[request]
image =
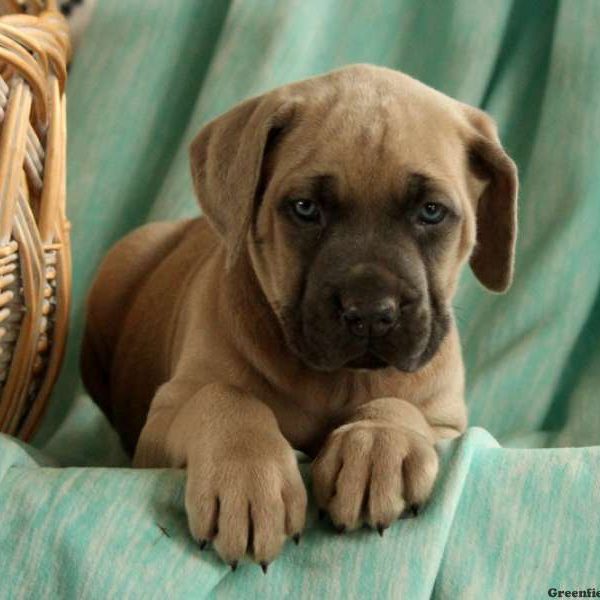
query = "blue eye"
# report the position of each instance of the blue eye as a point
(306, 210)
(432, 213)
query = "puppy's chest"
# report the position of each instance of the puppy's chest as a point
(309, 410)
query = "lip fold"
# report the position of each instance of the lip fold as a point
(368, 360)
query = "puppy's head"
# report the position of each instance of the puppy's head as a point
(358, 196)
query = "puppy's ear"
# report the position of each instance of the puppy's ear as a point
(492, 260)
(227, 158)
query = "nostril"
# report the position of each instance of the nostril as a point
(384, 316)
(355, 321)
(358, 327)
(352, 314)
(385, 319)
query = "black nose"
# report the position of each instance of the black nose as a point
(372, 319)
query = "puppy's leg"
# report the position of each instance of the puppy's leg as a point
(244, 490)
(118, 280)
(380, 463)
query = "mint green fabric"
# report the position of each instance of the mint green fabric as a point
(515, 511)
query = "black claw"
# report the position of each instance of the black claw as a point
(340, 529)
(264, 566)
(322, 514)
(234, 565)
(296, 538)
(202, 544)
(381, 528)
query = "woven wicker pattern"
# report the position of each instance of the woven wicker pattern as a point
(34, 241)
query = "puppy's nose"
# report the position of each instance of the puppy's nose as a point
(372, 319)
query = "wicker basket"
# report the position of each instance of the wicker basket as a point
(35, 261)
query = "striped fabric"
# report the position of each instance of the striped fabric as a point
(516, 510)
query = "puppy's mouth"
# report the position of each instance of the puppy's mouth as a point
(322, 345)
(369, 361)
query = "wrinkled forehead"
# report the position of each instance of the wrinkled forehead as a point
(376, 136)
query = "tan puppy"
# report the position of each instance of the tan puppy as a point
(309, 310)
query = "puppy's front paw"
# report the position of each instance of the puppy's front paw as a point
(245, 500)
(372, 472)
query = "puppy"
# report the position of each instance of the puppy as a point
(309, 309)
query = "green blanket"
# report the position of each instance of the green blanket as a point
(516, 509)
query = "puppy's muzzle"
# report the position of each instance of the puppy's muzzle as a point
(375, 310)
(364, 316)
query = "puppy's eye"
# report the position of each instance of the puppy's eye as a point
(306, 210)
(432, 213)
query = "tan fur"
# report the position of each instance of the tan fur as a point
(185, 354)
